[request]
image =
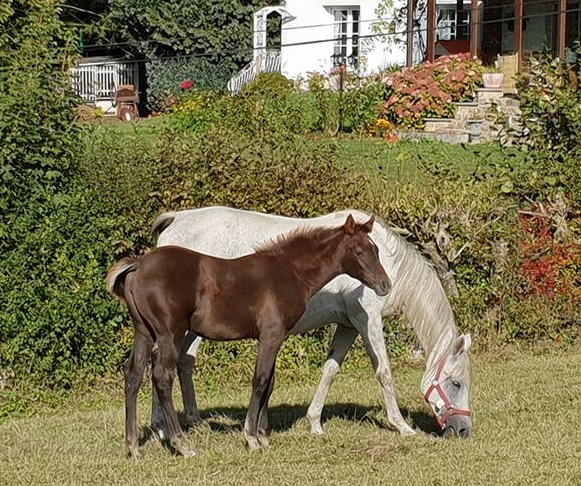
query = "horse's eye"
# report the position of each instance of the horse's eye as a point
(456, 383)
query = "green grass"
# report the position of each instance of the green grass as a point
(407, 160)
(527, 428)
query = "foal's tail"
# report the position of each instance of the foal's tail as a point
(115, 280)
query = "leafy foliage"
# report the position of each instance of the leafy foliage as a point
(165, 77)
(184, 27)
(36, 164)
(271, 104)
(274, 104)
(58, 318)
(346, 102)
(551, 108)
(36, 107)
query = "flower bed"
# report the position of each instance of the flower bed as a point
(430, 90)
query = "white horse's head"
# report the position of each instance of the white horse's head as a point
(448, 392)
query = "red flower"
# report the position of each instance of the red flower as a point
(187, 84)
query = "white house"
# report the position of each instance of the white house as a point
(301, 36)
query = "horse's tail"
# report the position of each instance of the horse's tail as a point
(115, 279)
(162, 222)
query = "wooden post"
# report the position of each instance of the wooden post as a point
(562, 25)
(460, 27)
(410, 34)
(431, 37)
(474, 29)
(518, 33)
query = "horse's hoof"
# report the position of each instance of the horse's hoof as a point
(264, 441)
(253, 443)
(183, 449)
(187, 452)
(316, 429)
(193, 420)
(133, 452)
(406, 431)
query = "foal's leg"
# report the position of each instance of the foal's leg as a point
(133, 376)
(372, 334)
(163, 377)
(343, 339)
(268, 348)
(263, 428)
(185, 367)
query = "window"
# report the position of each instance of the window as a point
(346, 50)
(452, 25)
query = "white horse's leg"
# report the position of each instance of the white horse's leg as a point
(372, 333)
(343, 339)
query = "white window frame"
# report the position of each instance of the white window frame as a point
(447, 26)
(347, 31)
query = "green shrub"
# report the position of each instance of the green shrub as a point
(58, 323)
(196, 112)
(361, 104)
(551, 108)
(164, 79)
(283, 174)
(270, 104)
(36, 106)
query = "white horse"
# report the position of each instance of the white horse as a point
(417, 293)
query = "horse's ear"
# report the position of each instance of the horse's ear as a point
(349, 225)
(462, 344)
(367, 227)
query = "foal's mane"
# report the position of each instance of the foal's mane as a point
(296, 240)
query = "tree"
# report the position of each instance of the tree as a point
(176, 27)
(392, 23)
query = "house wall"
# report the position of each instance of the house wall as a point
(308, 39)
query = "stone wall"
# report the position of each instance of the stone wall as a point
(493, 115)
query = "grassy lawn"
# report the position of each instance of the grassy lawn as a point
(527, 428)
(404, 161)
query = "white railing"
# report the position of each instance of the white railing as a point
(268, 62)
(99, 81)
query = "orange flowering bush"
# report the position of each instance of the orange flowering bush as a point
(384, 129)
(429, 90)
(551, 268)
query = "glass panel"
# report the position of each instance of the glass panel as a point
(346, 48)
(573, 25)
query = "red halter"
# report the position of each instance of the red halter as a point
(446, 410)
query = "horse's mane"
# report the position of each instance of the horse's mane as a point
(417, 291)
(295, 240)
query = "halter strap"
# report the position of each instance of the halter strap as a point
(446, 409)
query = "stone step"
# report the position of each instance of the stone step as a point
(438, 124)
(486, 96)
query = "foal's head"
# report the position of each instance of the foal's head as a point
(361, 256)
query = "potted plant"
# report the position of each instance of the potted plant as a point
(492, 77)
(475, 125)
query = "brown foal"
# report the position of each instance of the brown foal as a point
(172, 290)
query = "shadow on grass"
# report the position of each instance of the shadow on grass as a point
(283, 417)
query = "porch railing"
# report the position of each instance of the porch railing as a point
(268, 62)
(99, 81)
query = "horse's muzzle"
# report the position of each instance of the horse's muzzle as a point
(458, 426)
(383, 287)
